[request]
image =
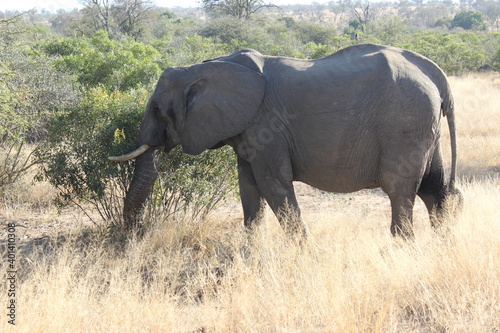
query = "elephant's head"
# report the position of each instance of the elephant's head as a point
(198, 107)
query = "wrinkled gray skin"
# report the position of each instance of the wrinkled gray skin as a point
(365, 117)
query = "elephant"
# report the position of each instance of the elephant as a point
(367, 116)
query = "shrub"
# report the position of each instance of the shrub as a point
(106, 123)
(100, 60)
(308, 32)
(193, 184)
(188, 50)
(456, 54)
(74, 160)
(496, 61)
(469, 20)
(314, 51)
(31, 91)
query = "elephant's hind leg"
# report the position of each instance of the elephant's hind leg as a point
(433, 190)
(402, 213)
(400, 181)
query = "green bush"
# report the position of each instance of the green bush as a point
(308, 32)
(496, 61)
(469, 20)
(99, 60)
(13, 127)
(188, 50)
(456, 54)
(194, 184)
(444, 22)
(31, 92)
(106, 123)
(74, 160)
(315, 51)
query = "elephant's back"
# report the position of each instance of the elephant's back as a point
(351, 108)
(356, 51)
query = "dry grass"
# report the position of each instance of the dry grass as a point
(477, 100)
(352, 276)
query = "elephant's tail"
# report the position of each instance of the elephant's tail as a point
(448, 109)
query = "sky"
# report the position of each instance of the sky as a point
(54, 5)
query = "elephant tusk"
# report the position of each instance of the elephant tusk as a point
(129, 156)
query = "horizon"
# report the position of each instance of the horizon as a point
(55, 5)
(68, 5)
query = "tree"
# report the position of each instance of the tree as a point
(364, 13)
(118, 16)
(340, 7)
(100, 12)
(241, 9)
(491, 9)
(469, 20)
(389, 30)
(308, 32)
(31, 92)
(129, 14)
(67, 22)
(107, 62)
(456, 54)
(445, 22)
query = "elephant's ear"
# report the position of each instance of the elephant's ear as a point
(221, 102)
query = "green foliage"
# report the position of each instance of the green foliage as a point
(228, 30)
(102, 61)
(445, 22)
(469, 20)
(357, 24)
(74, 160)
(12, 97)
(496, 60)
(390, 30)
(241, 9)
(13, 124)
(455, 53)
(494, 42)
(169, 15)
(315, 51)
(106, 123)
(188, 50)
(308, 32)
(289, 21)
(31, 91)
(194, 184)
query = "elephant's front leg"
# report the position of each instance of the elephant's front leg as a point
(276, 185)
(251, 198)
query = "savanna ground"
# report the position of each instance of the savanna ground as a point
(203, 276)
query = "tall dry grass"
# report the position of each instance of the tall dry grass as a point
(477, 102)
(352, 276)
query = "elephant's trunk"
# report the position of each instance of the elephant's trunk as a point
(144, 177)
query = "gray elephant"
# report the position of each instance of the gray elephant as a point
(365, 117)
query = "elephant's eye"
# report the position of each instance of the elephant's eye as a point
(160, 112)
